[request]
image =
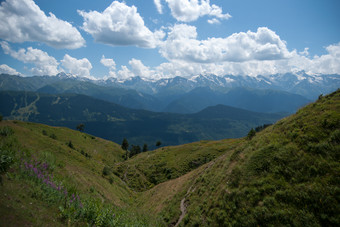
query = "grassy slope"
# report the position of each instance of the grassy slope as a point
(287, 174)
(71, 163)
(144, 171)
(71, 166)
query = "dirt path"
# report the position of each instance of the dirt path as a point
(183, 206)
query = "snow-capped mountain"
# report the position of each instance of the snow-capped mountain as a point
(310, 86)
(274, 93)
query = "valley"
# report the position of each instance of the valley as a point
(169, 113)
(285, 174)
(114, 122)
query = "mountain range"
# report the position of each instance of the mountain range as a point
(301, 83)
(175, 111)
(114, 122)
(274, 93)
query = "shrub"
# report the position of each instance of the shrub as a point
(70, 144)
(251, 134)
(106, 171)
(235, 176)
(6, 131)
(53, 136)
(6, 160)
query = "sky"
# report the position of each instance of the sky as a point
(157, 39)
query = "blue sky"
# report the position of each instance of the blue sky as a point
(167, 38)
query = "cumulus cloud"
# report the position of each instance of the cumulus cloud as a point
(78, 67)
(325, 64)
(8, 70)
(111, 64)
(23, 20)
(45, 64)
(108, 62)
(263, 44)
(191, 10)
(159, 6)
(120, 25)
(213, 21)
(139, 69)
(124, 73)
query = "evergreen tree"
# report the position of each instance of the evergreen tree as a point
(125, 144)
(145, 147)
(80, 127)
(135, 150)
(251, 134)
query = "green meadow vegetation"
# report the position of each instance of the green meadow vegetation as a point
(286, 174)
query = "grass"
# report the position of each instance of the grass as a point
(286, 174)
(79, 175)
(153, 167)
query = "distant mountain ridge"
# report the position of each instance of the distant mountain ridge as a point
(310, 86)
(268, 101)
(275, 93)
(115, 122)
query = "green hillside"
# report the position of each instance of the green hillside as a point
(287, 174)
(77, 162)
(144, 171)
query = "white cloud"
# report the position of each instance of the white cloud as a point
(111, 64)
(191, 10)
(182, 44)
(124, 73)
(325, 64)
(8, 70)
(213, 21)
(159, 6)
(23, 20)
(108, 62)
(45, 64)
(139, 69)
(120, 25)
(78, 67)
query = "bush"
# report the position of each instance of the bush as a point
(70, 144)
(251, 134)
(6, 131)
(6, 160)
(106, 171)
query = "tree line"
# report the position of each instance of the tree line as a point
(135, 149)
